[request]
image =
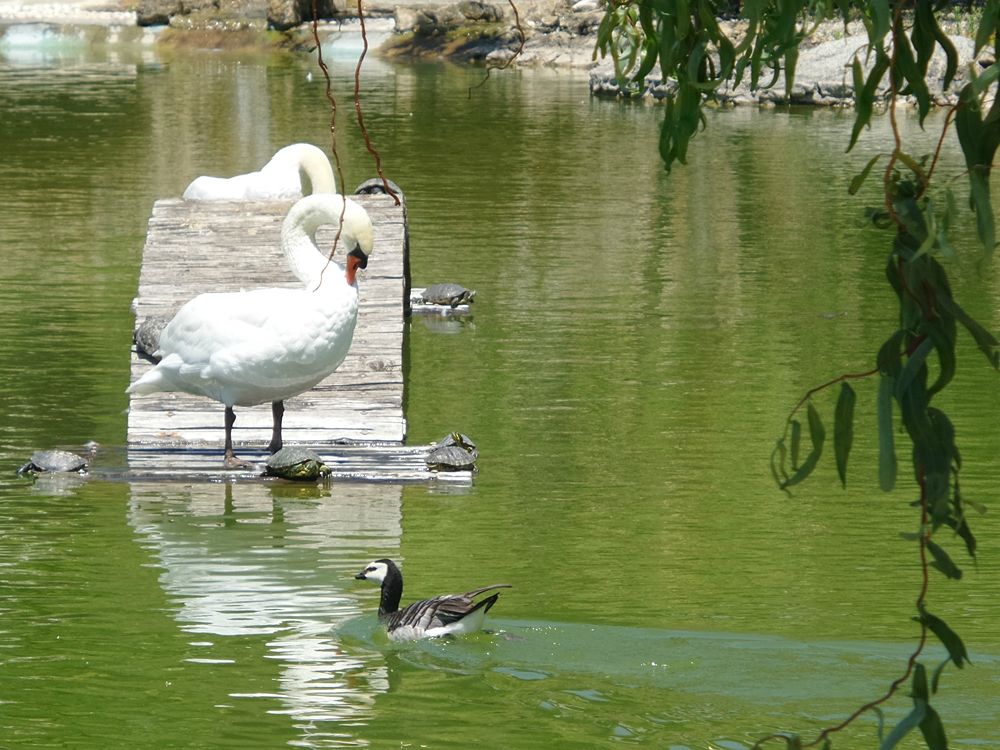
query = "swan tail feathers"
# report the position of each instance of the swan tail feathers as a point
(158, 379)
(152, 382)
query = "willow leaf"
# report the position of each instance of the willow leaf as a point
(936, 676)
(922, 34)
(843, 430)
(860, 178)
(943, 338)
(881, 19)
(796, 442)
(943, 561)
(919, 689)
(908, 68)
(947, 636)
(890, 356)
(987, 343)
(910, 722)
(817, 434)
(864, 98)
(945, 43)
(961, 528)
(987, 25)
(886, 437)
(933, 730)
(914, 364)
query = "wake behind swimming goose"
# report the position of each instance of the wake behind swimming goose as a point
(449, 614)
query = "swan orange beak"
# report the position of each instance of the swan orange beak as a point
(355, 259)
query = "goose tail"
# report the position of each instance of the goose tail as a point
(483, 589)
(485, 604)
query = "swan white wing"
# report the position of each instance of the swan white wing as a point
(280, 182)
(207, 188)
(249, 347)
(280, 179)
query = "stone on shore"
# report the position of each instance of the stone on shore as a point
(822, 77)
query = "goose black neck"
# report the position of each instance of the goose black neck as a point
(392, 590)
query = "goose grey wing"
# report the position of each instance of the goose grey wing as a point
(423, 615)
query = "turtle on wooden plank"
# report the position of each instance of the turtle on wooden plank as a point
(294, 462)
(147, 337)
(375, 186)
(53, 461)
(447, 294)
(454, 452)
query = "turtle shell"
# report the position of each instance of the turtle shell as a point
(147, 337)
(447, 294)
(53, 460)
(296, 463)
(453, 452)
(375, 186)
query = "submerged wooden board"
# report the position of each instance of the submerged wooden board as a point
(373, 462)
(195, 247)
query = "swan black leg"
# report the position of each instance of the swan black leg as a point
(277, 412)
(230, 458)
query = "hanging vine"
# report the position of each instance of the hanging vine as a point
(332, 101)
(919, 359)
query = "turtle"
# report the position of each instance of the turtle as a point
(53, 461)
(147, 337)
(453, 452)
(293, 462)
(447, 294)
(375, 186)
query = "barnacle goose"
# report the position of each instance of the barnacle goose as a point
(428, 618)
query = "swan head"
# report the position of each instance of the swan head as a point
(357, 235)
(376, 571)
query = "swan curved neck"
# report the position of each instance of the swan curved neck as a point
(315, 173)
(298, 241)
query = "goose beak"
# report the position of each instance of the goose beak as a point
(361, 257)
(360, 576)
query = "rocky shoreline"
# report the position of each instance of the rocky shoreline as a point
(556, 34)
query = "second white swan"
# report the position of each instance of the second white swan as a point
(294, 171)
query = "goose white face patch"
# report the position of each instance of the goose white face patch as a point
(375, 571)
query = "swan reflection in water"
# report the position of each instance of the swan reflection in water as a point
(250, 560)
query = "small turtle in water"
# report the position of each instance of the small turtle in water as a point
(51, 461)
(454, 452)
(296, 463)
(447, 294)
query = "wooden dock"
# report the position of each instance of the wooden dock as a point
(196, 247)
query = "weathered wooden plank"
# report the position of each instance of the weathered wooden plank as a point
(193, 248)
(358, 462)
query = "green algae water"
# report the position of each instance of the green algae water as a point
(636, 343)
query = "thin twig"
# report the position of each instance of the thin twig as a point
(911, 662)
(517, 52)
(816, 389)
(897, 138)
(944, 131)
(333, 134)
(357, 107)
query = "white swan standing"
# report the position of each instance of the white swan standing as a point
(246, 348)
(449, 614)
(296, 170)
